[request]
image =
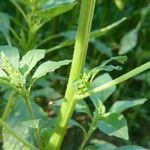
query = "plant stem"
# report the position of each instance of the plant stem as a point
(103, 31)
(81, 44)
(49, 38)
(8, 41)
(20, 9)
(116, 81)
(29, 106)
(91, 130)
(16, 135)
(94, 34)
(143, 16)
(31, 114)
(10, 105)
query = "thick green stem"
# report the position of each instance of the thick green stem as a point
(81, 44)
(16, 135)
(116, 81)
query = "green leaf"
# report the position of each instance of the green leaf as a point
(130, 147)
(4, 24)
(103, 145)
(105, 66)
(17, 116)
(69, 34)
(48, 13)
(100, 145)
(119, 59)
(103, 48)
(104, 95)
(120, 4)
(114, 125)
(30, 59)
(32, 123)
(49, 66)
(129, 41)
(12, 54)
(111, 68)
(121, 106)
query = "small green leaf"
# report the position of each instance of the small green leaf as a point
(120, 4)
(31, 123)
(30, 59)
(105, 66)
(100, 145)
(4, 24)
(49, 66)
(48, 13)
(121, 106)
(104, 95)
(129, 41)
(119, 59)
(130, 147)
(12, 54)
(114, 125)
(103, 48)
(111, 68)
(69, 34)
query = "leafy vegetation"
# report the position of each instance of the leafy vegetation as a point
(101, 101)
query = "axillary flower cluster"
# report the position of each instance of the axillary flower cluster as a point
(13, 75)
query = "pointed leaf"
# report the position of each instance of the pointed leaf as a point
(103, 48)
(30, 59)
(121, 106)
(100, 145)
(130, 147)
(119, 59)
(4, 23)
(48, 13)
(129, 41)
(49, 66)
(12, 54)
(114, 125)
(120, 4)
(111, 68)
(104, 95)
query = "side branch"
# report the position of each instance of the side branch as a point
(116, 81)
